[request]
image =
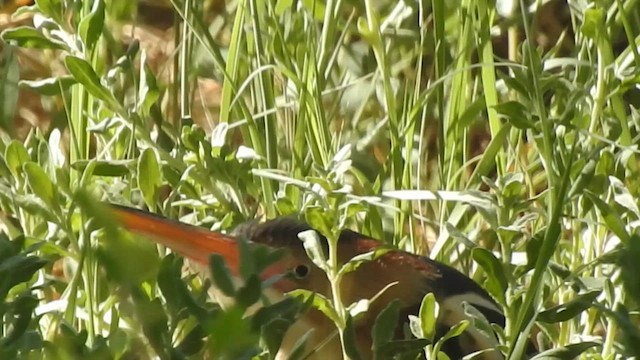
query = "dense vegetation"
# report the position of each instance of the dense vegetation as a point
(501, 142)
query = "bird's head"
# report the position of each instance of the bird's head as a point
(295, 268)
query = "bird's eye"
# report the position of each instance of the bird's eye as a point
(301, 271)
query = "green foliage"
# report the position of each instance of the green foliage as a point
(20, 334)
(398, 119)
(9, 76)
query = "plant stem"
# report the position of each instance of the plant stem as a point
(335, 279)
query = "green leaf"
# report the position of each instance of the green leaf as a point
(170, 269)
(533, 250)
(630, 334)
(247, 258)
(153, 319)
(623, 197)
(478, 320)
(110, 168)
(250, 292)
(18, 269)
(317, 301)
(40, 184)
(593, 23)
(385, 326)
(90, 27)
(15, 156)
(51, 86)
(519, 82)
(274, 320)
(175, 290)
(192, 343)
(496, 279)
(567, 352)
(630, 266)
(569, 310)
(21, 308)
(9, 77)
(318, 220)
(429, 311)
(84, 74)
(273, 333)
(350, 342)
(70, 342)
(127, 260)
(584, 178)
(611, 217)
(512, 185)
(282, 5)
(416, 327)
(148, 92)
(28, 37)
(316, 7)
(232, 334)
(264, 256)
(470, 114)
(46, 161)
(360, 259)
(488, 160)
(516, 113)
(149, 176)
(221, 275)
(51, 8)
(455, 331)
(35, 206)
(406, 349)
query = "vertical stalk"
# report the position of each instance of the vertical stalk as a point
(185, 52)
(335, 279)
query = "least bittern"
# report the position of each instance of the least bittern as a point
(414, 276)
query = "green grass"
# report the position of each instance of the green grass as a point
(407, 122)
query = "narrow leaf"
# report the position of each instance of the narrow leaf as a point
(385, 325)
(318, 302)
(221, 275)
(623, 197)
(49, 86)
(568, 352)
(15, 156)
(84, 74)
(40, 184)
(90, 27)
(611, 217)
(570, 309)
(9, 77)
(360, 259)
(350, 342)
(28, 37)
(250, 292)
(497, 281)
(149, 176)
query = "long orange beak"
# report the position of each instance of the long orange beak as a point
(190, 241)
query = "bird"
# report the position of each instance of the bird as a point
(413, 276)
